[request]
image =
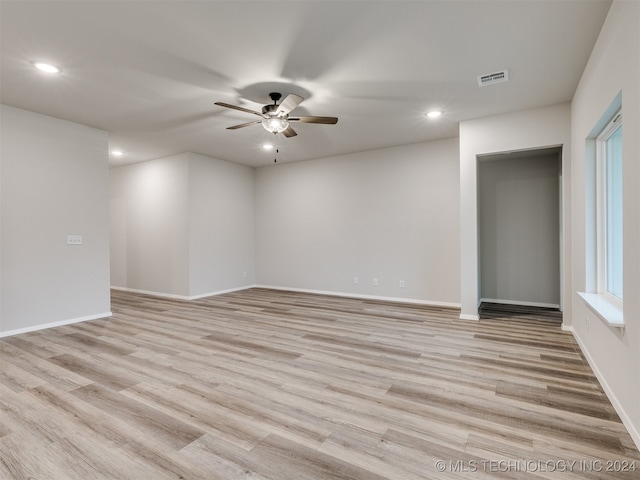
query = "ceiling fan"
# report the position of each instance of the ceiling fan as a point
(275, 118)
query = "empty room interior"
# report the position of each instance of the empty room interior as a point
(271, 240)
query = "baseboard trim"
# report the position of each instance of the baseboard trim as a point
(633, 432)
(517, 302)
(292, 289)
(180, 297)
(466, 316)
(151, 292)
(61, 323)
(221, 292)
(413, 301)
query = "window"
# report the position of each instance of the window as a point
(609, 211)
(604, 218)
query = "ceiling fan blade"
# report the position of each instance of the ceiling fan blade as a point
(242, 109)
(234, 127)
(325, 120)
(289, 103)
(289, 132)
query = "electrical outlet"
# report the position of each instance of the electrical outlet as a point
(586, 322)
(74, 239)
(244, 274)
(356, 280)
(375, 282)
(401, 283)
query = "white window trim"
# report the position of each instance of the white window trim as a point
(601, 210)
(604, 309)
(606, 306)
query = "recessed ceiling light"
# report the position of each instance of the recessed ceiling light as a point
(434, 114)
(46, 67)
(267, 146)
(117, 153)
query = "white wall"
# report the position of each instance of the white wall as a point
(520, 229)
(54, 184)
(221, 226)
(389, 214)
(614, 67)
(524, 130)
(150, 226)
(182, 226)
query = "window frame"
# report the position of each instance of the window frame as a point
(602, 227)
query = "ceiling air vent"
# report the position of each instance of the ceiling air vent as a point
(493, 78)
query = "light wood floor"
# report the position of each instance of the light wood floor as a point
(266, 385)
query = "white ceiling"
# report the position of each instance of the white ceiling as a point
(149, 72)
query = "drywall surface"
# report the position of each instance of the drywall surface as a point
(182, 226)
(520, 229)
(389, 215)
(221, 225)
(524, 130)
(54, 184)
(150, 226)
(614, 68)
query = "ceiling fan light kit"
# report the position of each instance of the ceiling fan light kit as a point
(275, 117)
(275, 125)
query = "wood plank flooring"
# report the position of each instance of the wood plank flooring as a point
(271, 385)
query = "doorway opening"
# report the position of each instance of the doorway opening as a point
(520, 230)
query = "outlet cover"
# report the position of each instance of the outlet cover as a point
(74, 239)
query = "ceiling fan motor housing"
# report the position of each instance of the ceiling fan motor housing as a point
(269, 109)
